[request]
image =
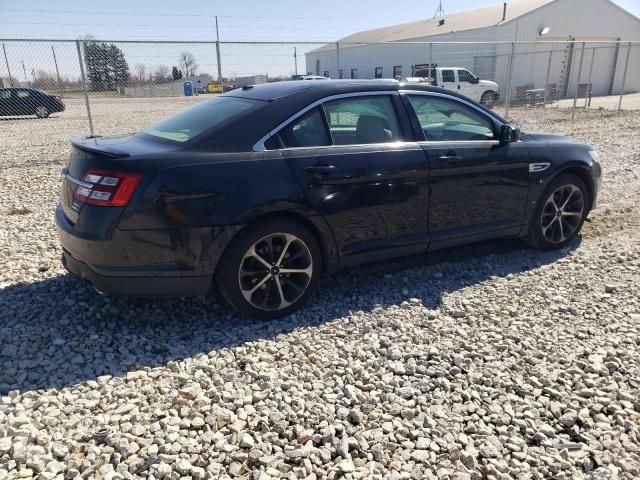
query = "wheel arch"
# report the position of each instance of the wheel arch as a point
(582, 172)
(315, 224)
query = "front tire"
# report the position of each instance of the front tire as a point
(270, 269)
(559, 214)
(489, 99)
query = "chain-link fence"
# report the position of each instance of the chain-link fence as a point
(120, 86)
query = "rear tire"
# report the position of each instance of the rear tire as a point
(42, 112)
(270, 269)
(559, 214)
(489, 99)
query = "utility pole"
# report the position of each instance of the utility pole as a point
(439, 11)
(218, 56)
(295, 58)
(55, 62)
(7, 62)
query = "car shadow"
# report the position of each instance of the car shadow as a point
(59, 331)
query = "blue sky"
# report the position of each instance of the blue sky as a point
(239, 20)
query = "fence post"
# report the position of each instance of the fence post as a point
(575, 95)
(430, 57)
(587, 98)
(218, 57)
(509, 75)
(8, 69)
(55, 62)
(546, 81)
(338, 59)
(624, 76)
(84, 87)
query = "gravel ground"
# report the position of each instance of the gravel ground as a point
(487, 362)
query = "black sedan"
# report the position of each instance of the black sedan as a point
(29, 101)
(261, 190)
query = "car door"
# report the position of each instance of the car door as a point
(449, 79)
(478, 186)
(23, 102)
(352, 157)
(468, 84)
(5, 101)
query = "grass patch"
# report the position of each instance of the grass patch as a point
(20, 211)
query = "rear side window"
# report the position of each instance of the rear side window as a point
(307, 131)
(448, 76)
(23, 94)
(5, 94)
(185, 125)
(361, 120)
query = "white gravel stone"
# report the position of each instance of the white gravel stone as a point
(490, 361)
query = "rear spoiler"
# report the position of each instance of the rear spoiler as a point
(88, 144)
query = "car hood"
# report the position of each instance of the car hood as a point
(545, 137)
(488, 83)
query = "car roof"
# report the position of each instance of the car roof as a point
(275, 90)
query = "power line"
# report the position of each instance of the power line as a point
(248, 26)
(80, 12)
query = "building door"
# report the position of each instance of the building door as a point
(484, 67)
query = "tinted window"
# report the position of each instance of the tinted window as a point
(361, 120)
(465, 76)
(306, 131)
(188, 123)
(449, 120)
(23, 94)
(448, 76)
(5, 94)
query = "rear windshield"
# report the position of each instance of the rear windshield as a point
(186, 124)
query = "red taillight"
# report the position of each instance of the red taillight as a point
(57, 99)
(106, 188)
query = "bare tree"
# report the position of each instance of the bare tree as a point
(140, 70)
(188, 61)
(162, 74)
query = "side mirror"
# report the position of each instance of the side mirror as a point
(475, 80)
(509, 134)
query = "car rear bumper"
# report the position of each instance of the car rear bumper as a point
(131, 286)
(142, 262)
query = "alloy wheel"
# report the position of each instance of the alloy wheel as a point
(562, 213)
(275, 271)
(42, 112)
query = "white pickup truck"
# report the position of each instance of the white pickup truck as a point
(462, 81)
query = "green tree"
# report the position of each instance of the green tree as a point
(176, 73)
(107, 67)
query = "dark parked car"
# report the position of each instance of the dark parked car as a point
(29, 101)
(265, 188)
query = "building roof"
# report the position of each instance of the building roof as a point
(456, 22)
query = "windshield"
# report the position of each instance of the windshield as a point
(186, 124)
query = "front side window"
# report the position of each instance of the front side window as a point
(185, 125)
(448, 76)
(361, 120)
(443, 119)
(307, 131)
(465, 76)
(23, 94)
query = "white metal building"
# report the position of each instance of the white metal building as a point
(382, 53)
